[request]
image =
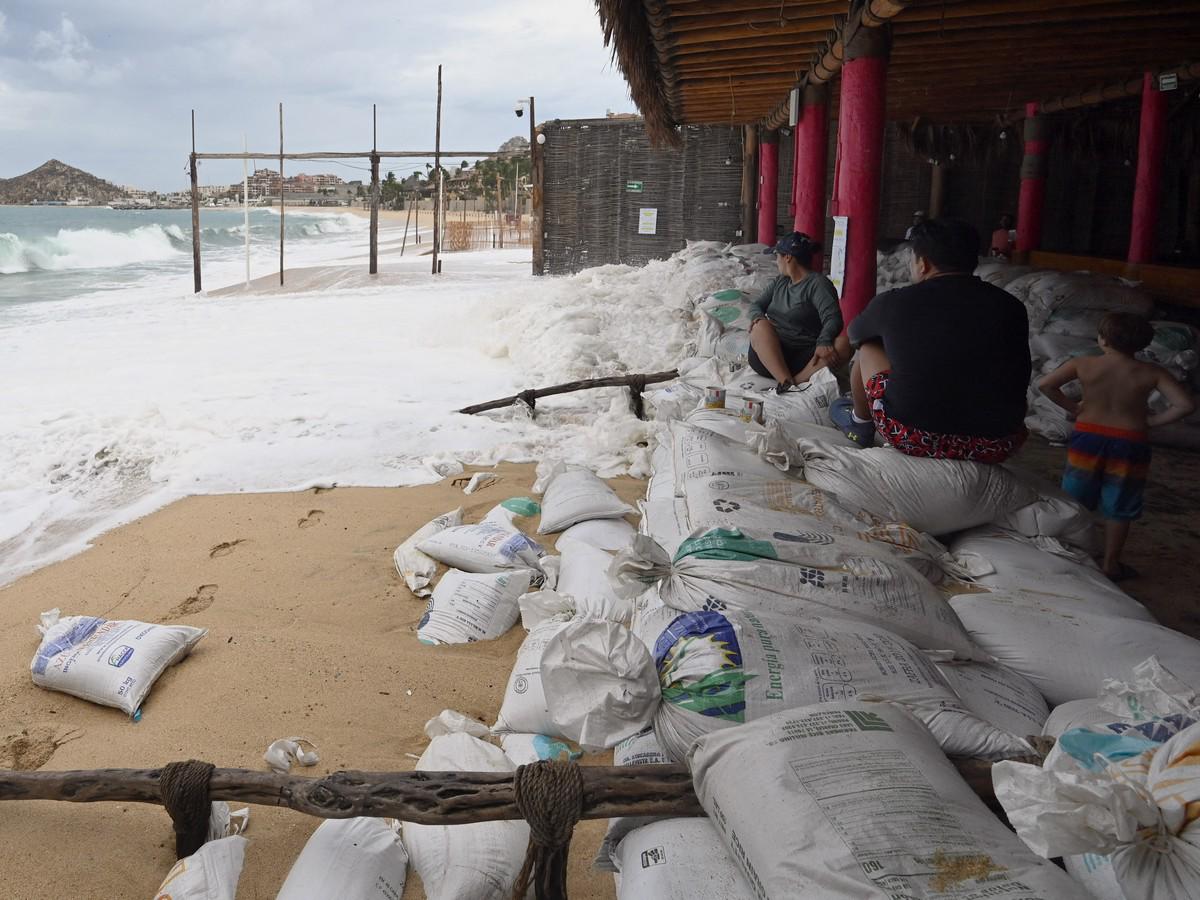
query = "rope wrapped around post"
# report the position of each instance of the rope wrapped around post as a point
(637, 385)
(184, 789)
(549, 795)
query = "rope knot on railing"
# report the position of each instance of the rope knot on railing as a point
(184, 790)
(549, 795)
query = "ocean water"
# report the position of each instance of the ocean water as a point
(122, 390)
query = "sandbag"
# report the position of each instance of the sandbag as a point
(1066, 650)
(351, 859)
(636, 750)
(479, 861)
(666, 521)
(524, 707)
(856, 801)
(600, 683)
(729, 307)
(109, 662)
(813, 572)
(1001, 560)
(678, 859)
(1055, 515)
(467, 607)
(583, 576)
(604, 534)
(576, 495)
(806, 404)
(698, 453)
(938, 496)
(524, 749)
(1080, 713)
(417, 568)
(1142, 811)
(998, 695)
(718, 670)
(211, 873)
(486, 547)
(506, 512)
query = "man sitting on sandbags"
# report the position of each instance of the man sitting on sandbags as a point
(942, 364)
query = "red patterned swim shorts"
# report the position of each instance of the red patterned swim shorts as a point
(917, 442)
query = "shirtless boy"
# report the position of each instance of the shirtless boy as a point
(1109, 453)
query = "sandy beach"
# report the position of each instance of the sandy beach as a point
(311, 633)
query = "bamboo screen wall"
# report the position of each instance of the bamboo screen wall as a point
(601, 174)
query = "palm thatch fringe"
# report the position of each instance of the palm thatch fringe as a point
(627, 30)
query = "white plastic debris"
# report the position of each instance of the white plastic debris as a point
(479, 481)
(109, 662)
(286, 752)
(451, 721)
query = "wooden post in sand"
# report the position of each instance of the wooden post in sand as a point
(499, 212)
(437, 166)
(195, 211)
(374, 268)
(407, 219)
(281, 193)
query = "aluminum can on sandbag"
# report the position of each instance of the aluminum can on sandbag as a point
(714, 397)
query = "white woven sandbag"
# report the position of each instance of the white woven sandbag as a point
(1142, 811)
(600, 683)
(486, 547)
(468, 607)
(938, 496)
(718, 670)
(351, 859)
(698, 453)
(677, 859)
(417, 568)
(813, 572)
(583, 576)
(1066, 650)
(479, 861)
(524, 707)
(1081, 713)
(211, 873)
(107, 661)
(1001, 560)
(637, 750)
(856, 801)
(577, 495)
(998, 695)
(604, 534)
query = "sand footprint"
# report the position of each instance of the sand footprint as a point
(224, 548)
(31, 748)
(314, 516)
(198, 602)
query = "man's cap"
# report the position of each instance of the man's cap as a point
(919, 212)
(789, 244)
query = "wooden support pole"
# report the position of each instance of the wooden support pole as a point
(281, 200)
(749, 181)
(407, 217)
(537, 179)
(1032, 197)
(937, 190)
(1152, 145)
(499, 211)
(812, 153)
(437, 166)
(195, 211)
(374, 264)
(768, 187)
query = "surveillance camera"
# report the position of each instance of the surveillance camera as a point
(519, 110)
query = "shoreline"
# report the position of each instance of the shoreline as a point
(311, 633)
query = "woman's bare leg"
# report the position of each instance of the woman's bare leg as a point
(766, 344)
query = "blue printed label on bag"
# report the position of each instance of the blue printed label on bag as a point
(120, 656)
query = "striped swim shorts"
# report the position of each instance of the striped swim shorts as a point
(1106, 468)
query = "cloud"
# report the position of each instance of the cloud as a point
(66, 54)
(3, 20)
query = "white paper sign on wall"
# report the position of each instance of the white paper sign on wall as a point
(837, 258)
(648, 221)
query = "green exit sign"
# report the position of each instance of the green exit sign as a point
(633, 187)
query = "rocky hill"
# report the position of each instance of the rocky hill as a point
(54, 180)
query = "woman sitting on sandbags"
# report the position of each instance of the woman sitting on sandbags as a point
(794, 322)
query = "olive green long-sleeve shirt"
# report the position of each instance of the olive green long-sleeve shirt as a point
(805, 314)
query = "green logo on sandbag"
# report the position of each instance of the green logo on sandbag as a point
(522, 506)
(720, 695)
(727, 295)
(867, 721)
(726, 543)
(725, 314)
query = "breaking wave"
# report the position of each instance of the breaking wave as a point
(90, 248)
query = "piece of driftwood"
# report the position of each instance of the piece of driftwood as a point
(635, 383)
(427, 798)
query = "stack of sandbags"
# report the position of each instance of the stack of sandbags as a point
(892, 270)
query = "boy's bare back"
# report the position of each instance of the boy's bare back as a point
(1116, 390)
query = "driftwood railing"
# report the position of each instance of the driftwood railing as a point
(635, 383)
(559, 795)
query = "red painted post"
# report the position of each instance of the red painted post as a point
(1032, 198)
(812, 150)
(860, 161)
(1152, 138)
(768, 187)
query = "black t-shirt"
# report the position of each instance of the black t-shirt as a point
(959, 352)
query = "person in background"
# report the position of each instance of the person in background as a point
(1004, 238)
(794, 322)
(918, 218)
(943, 364)
(1108, 457)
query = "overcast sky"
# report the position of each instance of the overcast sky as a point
(107, 85)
